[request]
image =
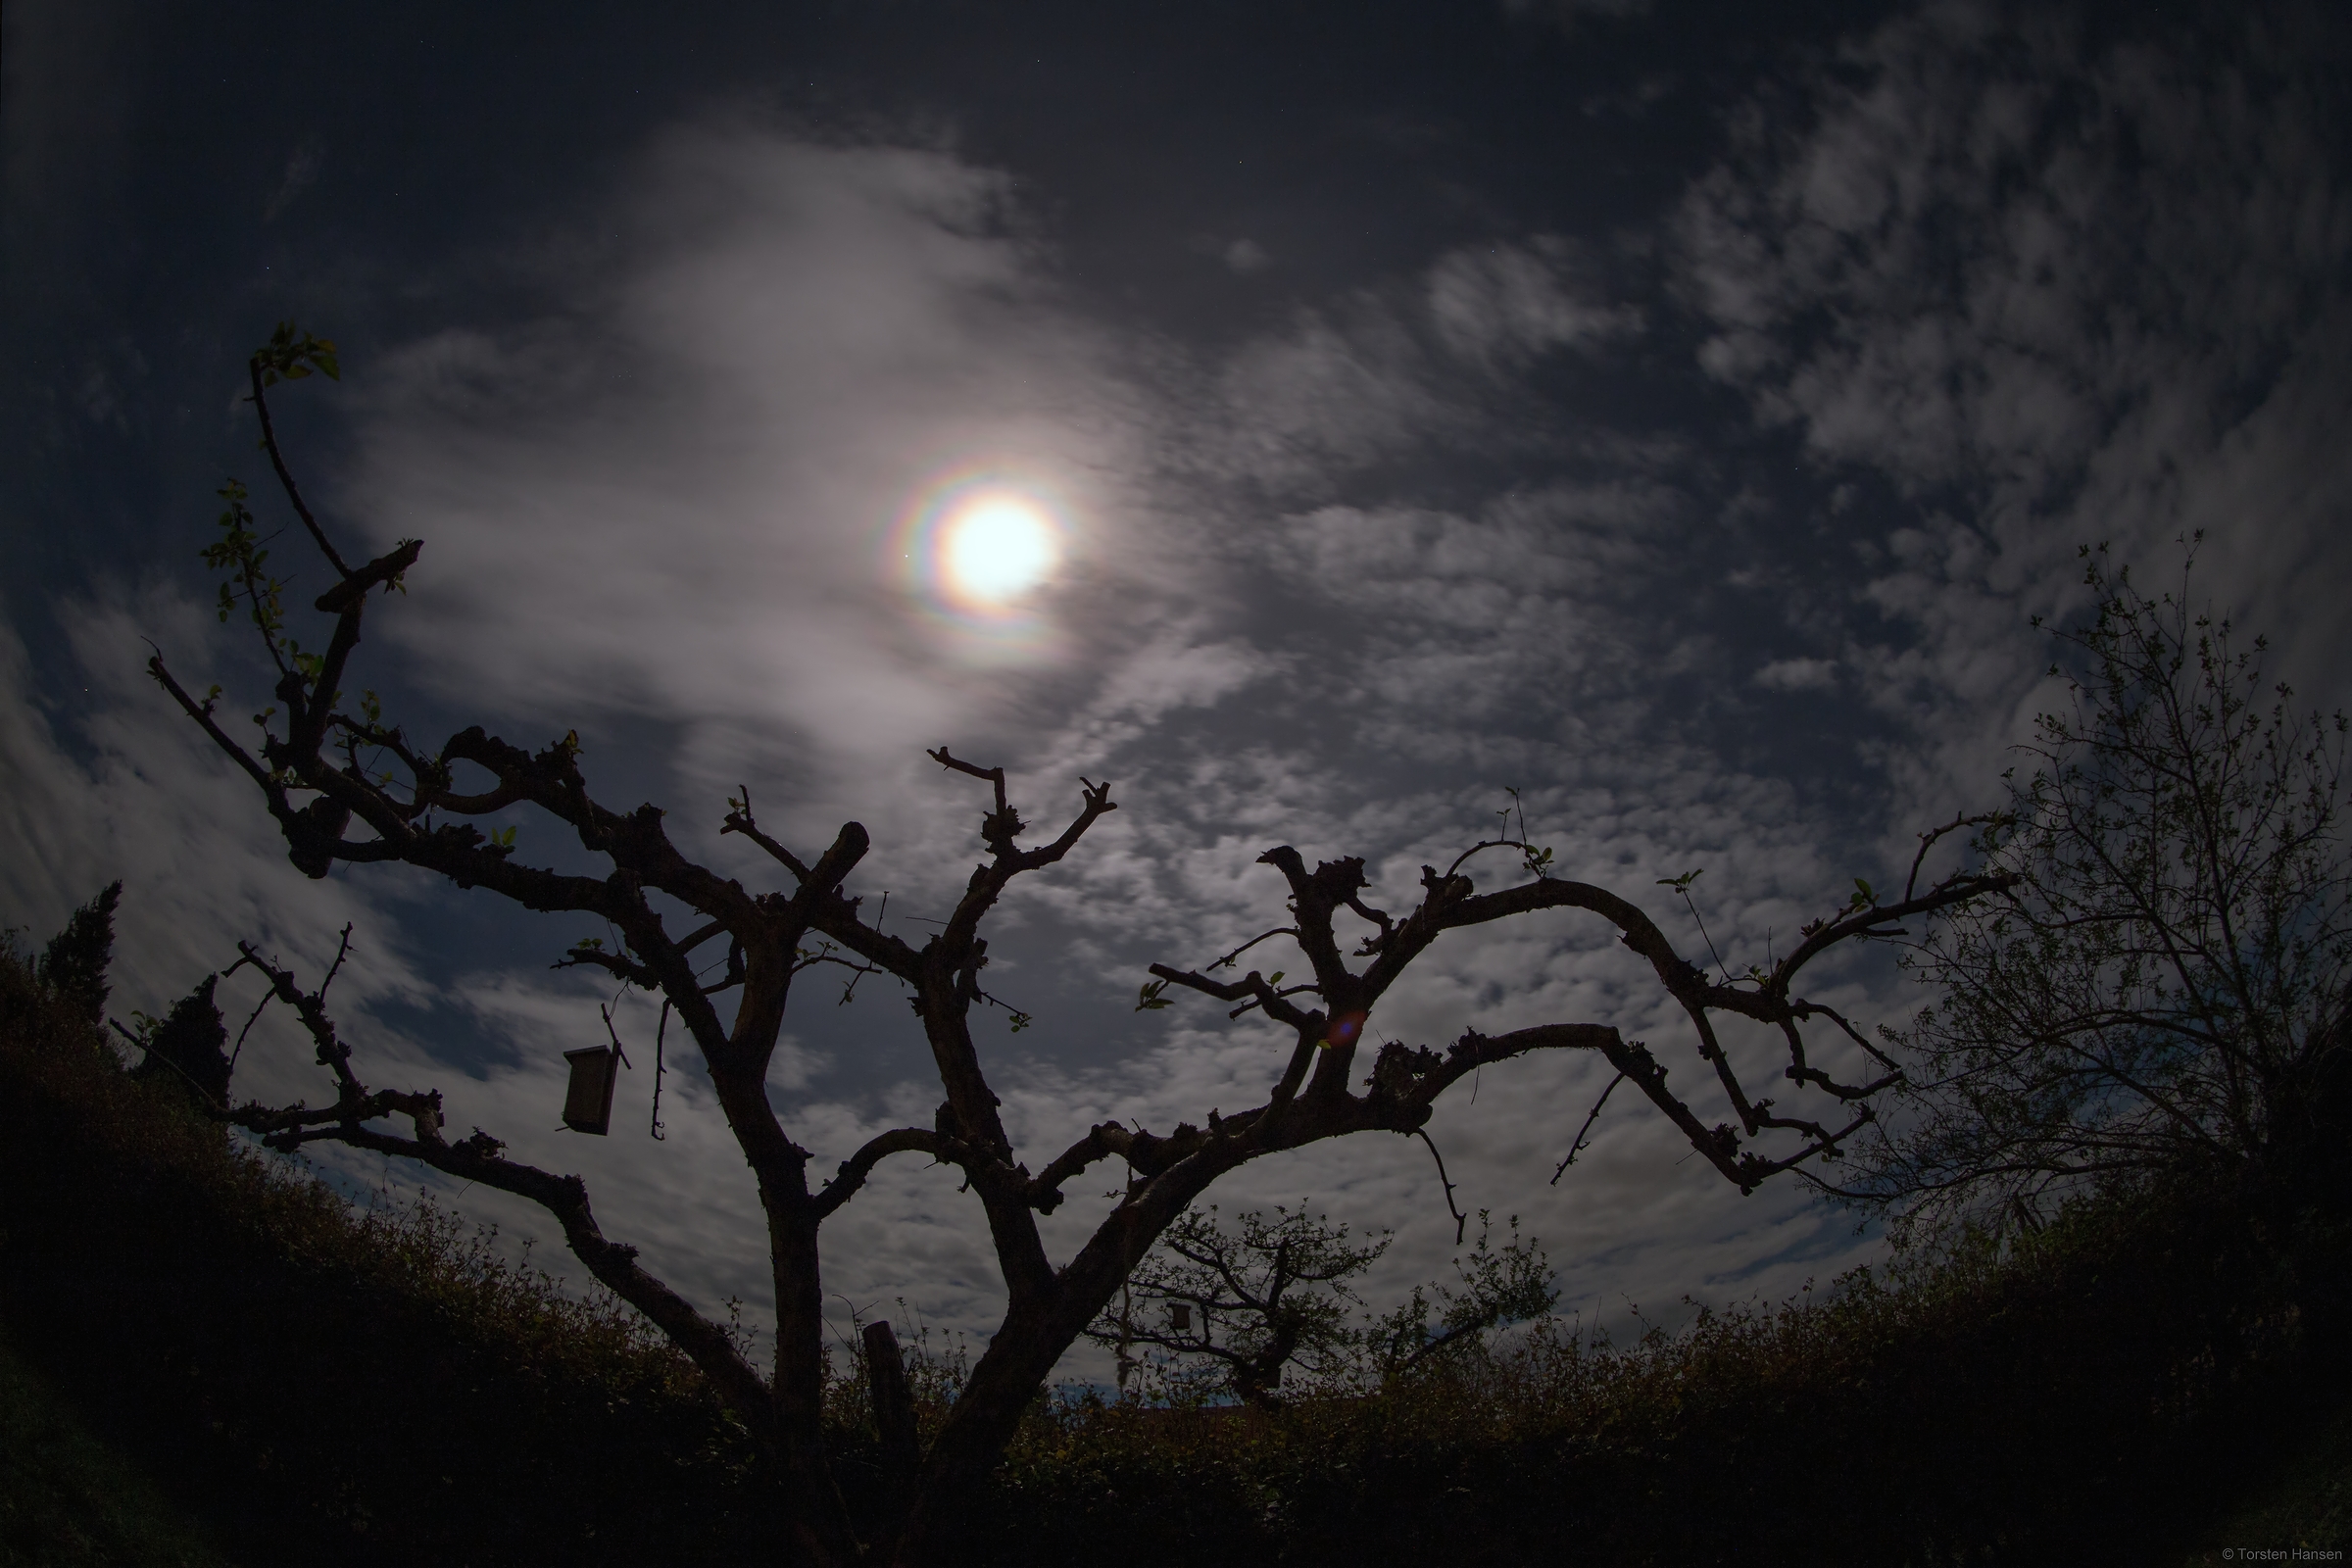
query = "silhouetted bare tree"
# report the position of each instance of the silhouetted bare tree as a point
(346, 786)
(1274, 1293)
(2164, 986)
(1269, 1293)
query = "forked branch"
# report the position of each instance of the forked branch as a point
(479, 1158)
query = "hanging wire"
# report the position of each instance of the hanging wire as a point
(616, 1034)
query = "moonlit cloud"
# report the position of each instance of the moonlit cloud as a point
(684, 498)
(1797, 674)
(1713, 533)
(2038, 285)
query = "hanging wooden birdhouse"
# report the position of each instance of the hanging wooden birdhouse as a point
(588, 1103)
(1180, 1317)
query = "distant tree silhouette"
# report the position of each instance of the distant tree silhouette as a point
(189, 1046)
(345, 786)
(2163, 984)
(73, 964)
(1267, 1294)
(1275, 1293)
(1494, 1288)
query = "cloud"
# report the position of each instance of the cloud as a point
(1796, 674)
(1246, 255)
(1389, 374)
(302, 172)
(683, 498)
(2051, 294)
(131, 790)
(1515, 302)
(1240, 256)
(1334, 584)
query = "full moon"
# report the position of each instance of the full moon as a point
(995, 547)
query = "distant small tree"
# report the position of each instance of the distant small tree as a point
(1276, 1293)
(1270, 1295)
(2160, 985)
(1493, 1288)
(73, 966)
(346, 786)
(187, 1046)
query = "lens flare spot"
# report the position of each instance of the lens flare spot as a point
(1344, 1030)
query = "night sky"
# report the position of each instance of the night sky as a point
(1674, 412)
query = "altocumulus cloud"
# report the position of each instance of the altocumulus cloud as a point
(2055, 294)
(1333, 584)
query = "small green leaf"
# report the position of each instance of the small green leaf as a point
(288, 356)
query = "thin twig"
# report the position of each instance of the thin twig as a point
(341, 953)
(616, 1034)
(267, 997)
(1586, 1128)
(1703, 934)
(285, 476)
(1459, 1219)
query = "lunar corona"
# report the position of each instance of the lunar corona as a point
(976, 550)
(995, 548)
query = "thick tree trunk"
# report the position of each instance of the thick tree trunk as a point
(820, 1516)
(972, 1445)
(1036, 1331)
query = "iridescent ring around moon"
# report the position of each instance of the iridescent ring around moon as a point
(977, 547)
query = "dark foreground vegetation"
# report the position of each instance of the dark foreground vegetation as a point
(309, 1382)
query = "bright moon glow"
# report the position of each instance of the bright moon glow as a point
(975, 549)
(995, 547)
